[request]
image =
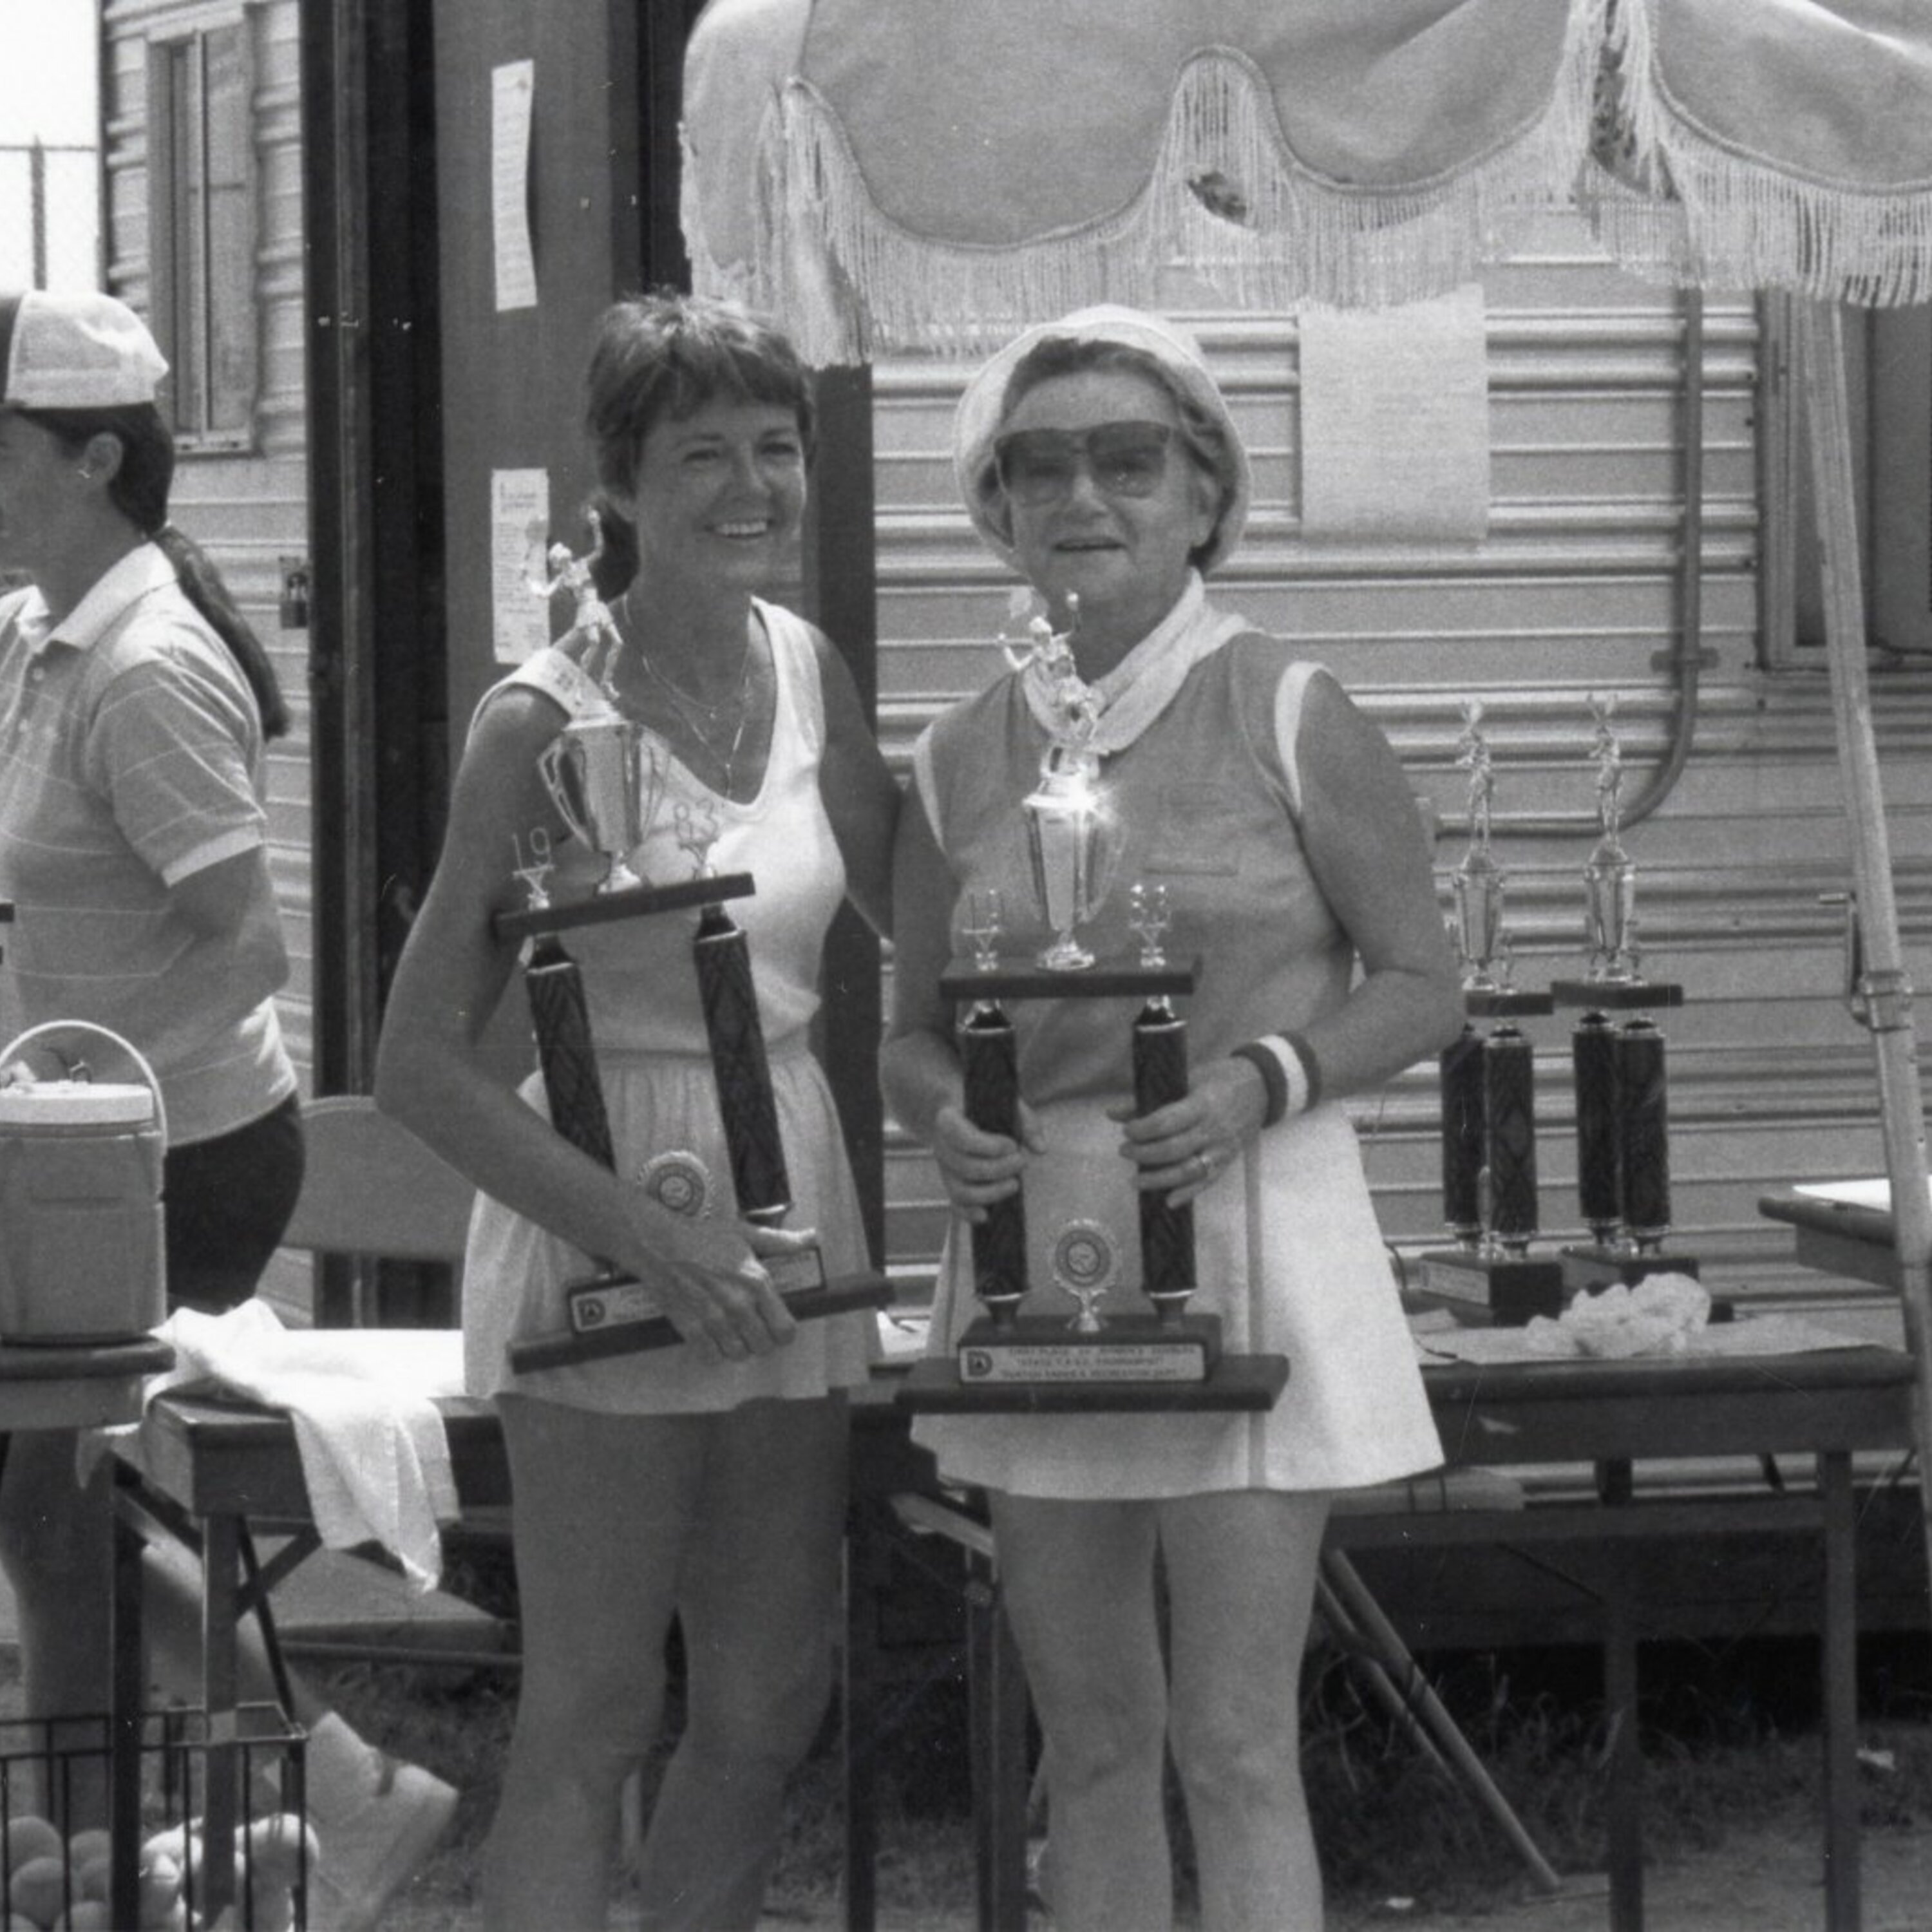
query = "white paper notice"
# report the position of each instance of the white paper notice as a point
(1395, 422)
(519, 535)
(512, 88)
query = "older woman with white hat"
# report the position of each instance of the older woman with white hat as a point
(135, 707)
(1098, 457)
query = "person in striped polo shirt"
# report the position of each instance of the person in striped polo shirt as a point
(136, 707)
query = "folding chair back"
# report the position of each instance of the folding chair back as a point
(371, 1187)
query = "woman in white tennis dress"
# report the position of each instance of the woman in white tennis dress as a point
(1097, 456)
(705, 1481)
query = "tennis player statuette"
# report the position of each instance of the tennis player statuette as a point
(1488, 1088)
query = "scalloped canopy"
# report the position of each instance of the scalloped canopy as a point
(940, 173)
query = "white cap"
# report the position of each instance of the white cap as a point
(982, 408)
(85, 352)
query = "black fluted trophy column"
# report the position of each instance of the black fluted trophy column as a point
(745, 1104)
(1167, 1227)
(989, 1055)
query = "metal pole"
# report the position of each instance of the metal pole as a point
(1887, 992)
(36, 221)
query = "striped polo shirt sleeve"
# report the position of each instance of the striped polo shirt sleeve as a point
(168, 749)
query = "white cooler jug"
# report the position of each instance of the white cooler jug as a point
(81, 1251)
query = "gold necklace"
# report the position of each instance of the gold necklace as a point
(688, 708)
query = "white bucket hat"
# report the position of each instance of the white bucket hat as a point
(982, 406)
(85, 352)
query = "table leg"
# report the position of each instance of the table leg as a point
(863, 1563)
(996, 1694)
(1620, 1713)
(220, 1558)
(127, 1695)
(1839, 1659)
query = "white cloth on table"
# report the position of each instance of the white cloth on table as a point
(374, 1452)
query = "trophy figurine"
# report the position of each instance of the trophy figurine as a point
(1623, 1153)
(1609, 879)
(1072, 839)
(606, 776)
(1488, 1087)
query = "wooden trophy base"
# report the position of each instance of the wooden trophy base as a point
(1594, 1266)
(1509, 1288)
(1134, 1365)
(621, 1316)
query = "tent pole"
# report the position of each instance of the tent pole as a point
(1887, 992)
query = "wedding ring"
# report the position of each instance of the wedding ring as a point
(1206, 1166)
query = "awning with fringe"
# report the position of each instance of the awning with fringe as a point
(938, 174)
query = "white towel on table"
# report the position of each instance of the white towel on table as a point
(374, 1452)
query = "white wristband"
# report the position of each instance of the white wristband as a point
(1303, 1089)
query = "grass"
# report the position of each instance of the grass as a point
(1729, 1746)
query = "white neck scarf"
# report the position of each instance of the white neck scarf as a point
(1131, 696)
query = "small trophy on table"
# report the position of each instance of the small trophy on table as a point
(1092, 1360)
(1623, 1142)
(606, 775)
(1489, 1095)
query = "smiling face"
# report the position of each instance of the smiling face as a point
(1126, 556)
(718, 497)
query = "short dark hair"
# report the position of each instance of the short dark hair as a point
(1201, 435)
(139, 489)
(661, 357)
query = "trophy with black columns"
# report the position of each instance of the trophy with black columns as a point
(1159, 1357)
(1623, 1134)
(606, 775)
(1489, 1091)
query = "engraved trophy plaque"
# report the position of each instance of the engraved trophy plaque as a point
(1623, 1143)
(1104, 1356)
(1488, 1088)
(606, 776)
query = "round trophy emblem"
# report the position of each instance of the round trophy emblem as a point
(679, 1181)
(1084, 1261)
(1084, 1257)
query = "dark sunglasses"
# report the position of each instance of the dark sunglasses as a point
(1038, 466)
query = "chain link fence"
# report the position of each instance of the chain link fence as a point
(50, 217)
